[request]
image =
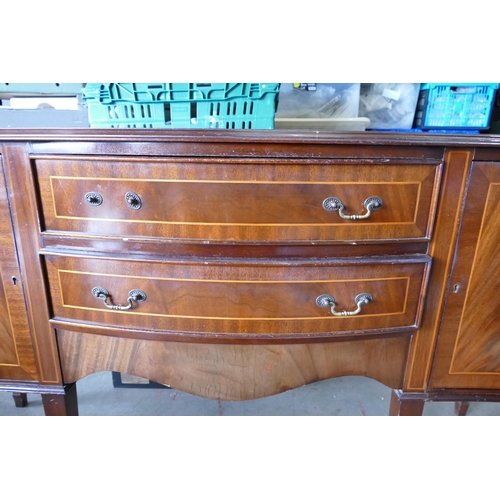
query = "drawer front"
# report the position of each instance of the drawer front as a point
(237, 300)
(237, 201)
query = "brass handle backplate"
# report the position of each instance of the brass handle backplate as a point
(332, 204)
(361, 300)
(133, 296)
(93, 199)
(133, 200)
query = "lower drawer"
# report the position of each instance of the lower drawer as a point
(238, 299)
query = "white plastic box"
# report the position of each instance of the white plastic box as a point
(389, 105)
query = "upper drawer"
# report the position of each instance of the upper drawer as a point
(238, 299)
(231, 200)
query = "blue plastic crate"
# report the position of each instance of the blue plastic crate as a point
(455, 106)
(182, 105)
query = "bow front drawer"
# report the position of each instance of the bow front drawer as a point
(239, 201)
(239, 299)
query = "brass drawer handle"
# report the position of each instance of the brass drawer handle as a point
(333, 204)
(133, 296)
(328, 301)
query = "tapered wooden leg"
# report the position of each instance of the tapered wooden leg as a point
(57, 405)
(405, 407)
(461, 408)
(20, 399)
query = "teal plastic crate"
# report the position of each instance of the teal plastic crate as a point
(182, 105)
(455, 106)
(41, 88)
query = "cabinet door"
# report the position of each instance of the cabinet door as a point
(16, 351)
(468, 350)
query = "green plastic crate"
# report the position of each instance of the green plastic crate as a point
(182, 105)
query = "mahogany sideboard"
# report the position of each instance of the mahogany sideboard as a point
(239, 264)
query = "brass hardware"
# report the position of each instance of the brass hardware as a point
(325, 300)
(361, 300)
(134, 295)
(93, 199)
(133, 200)
(333, 204)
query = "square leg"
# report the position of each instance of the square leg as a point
(66, 404)
(401, 407)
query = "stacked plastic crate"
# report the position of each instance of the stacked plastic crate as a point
(182, 105)
(455, 106)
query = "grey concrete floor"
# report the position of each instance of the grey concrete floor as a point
(346, 396)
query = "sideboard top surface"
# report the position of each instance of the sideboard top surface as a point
(250, 136)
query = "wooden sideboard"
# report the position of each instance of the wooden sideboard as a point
(239, 264)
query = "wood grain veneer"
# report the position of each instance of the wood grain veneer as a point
(272, 201)
(16, 351)
(468, 351)
(23, 208)
(234, 246)
(240, 298)
(232, 372)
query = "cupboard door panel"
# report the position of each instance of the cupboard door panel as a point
(468, 352)
(16, 351)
